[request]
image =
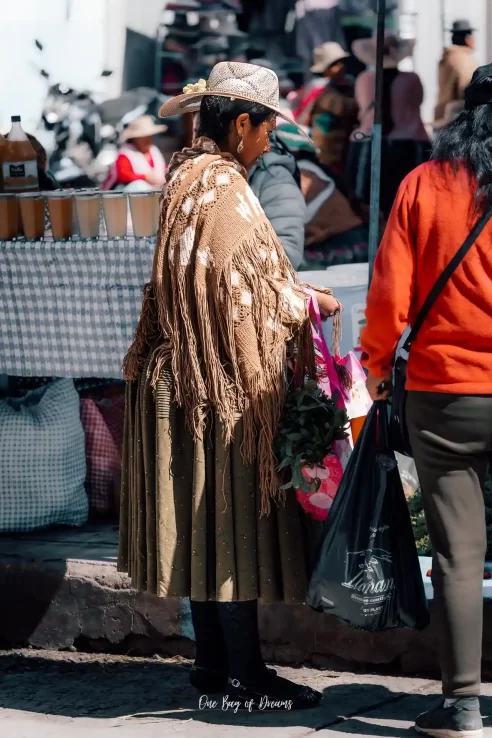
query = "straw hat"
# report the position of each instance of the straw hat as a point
(284, 81)
(396, 48)
(326, 55)
(141, 127)
(236, 80)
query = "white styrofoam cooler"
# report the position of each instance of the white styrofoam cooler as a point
(349, 283)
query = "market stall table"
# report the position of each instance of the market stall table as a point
(70, 308)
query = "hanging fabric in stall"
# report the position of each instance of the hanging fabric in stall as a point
(318, 21)
(275, 14)
(358, 7)
(267, 28)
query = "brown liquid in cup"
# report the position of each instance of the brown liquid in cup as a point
(115, 215)
(3, 144)
(88, 209)
(32, 216)
(9, 218)
(143, 214)
(156, 211)
(60, 210)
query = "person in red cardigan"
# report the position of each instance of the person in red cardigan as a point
(140, 165)
(449, 381)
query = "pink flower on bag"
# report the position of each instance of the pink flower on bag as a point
(318, 504)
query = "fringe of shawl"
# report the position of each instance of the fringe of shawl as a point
(267, 388)
(194, 320)
(146, 333)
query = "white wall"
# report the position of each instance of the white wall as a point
(143, 15)
(74, 52)
(425, 16)
(115, 29)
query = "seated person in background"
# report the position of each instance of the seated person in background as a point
(47, 180)
(334, 111)
(336, 226)
(140, 165)
(275, 180)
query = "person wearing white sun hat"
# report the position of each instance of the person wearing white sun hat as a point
(403, 93)
(334, 111)
(205, 389)
(140, 165)
(405, 139)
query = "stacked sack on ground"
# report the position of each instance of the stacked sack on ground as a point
(60, 454)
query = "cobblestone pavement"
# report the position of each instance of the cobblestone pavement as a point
(75, 695)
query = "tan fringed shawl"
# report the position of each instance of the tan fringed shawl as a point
(224, 302)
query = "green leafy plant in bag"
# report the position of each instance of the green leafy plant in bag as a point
(310, 425)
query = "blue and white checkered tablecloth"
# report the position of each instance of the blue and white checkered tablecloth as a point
(69, 309)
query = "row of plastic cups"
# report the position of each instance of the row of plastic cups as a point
(25, 213)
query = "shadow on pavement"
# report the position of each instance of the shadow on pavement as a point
(29, 597)
(394, 719)
(78, 685)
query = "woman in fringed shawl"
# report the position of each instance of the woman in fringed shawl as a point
(202, 514)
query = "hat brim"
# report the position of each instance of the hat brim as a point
(127, 135)
(364, 49)
(190, 103)
(461, 30)
(322, 66)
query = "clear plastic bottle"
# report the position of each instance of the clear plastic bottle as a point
(19, 166)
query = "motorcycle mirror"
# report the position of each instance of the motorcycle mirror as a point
(107, 73)
(44, 73)
(39, 45)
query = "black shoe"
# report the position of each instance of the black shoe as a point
(271, 692)
(208, 681)
(461, 720)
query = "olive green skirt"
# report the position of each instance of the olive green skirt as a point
(190, 522)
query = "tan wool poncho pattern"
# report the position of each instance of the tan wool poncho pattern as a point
(222, 305)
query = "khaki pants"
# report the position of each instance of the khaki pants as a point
(451, 437)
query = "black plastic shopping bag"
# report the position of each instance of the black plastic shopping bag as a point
(368, 572)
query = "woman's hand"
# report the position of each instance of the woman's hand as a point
(328, 305)
(379, 388)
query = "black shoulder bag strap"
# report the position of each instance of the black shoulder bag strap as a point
(399, 433)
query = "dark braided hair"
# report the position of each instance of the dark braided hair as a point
(217, 113)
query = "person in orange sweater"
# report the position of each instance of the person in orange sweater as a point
(449, 380)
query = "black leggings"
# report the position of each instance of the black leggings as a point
(227, 638)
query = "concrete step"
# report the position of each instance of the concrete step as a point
(60, 590)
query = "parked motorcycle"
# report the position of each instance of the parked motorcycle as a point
(72, 116)
(87, 132)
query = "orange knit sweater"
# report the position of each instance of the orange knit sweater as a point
(432, 215)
